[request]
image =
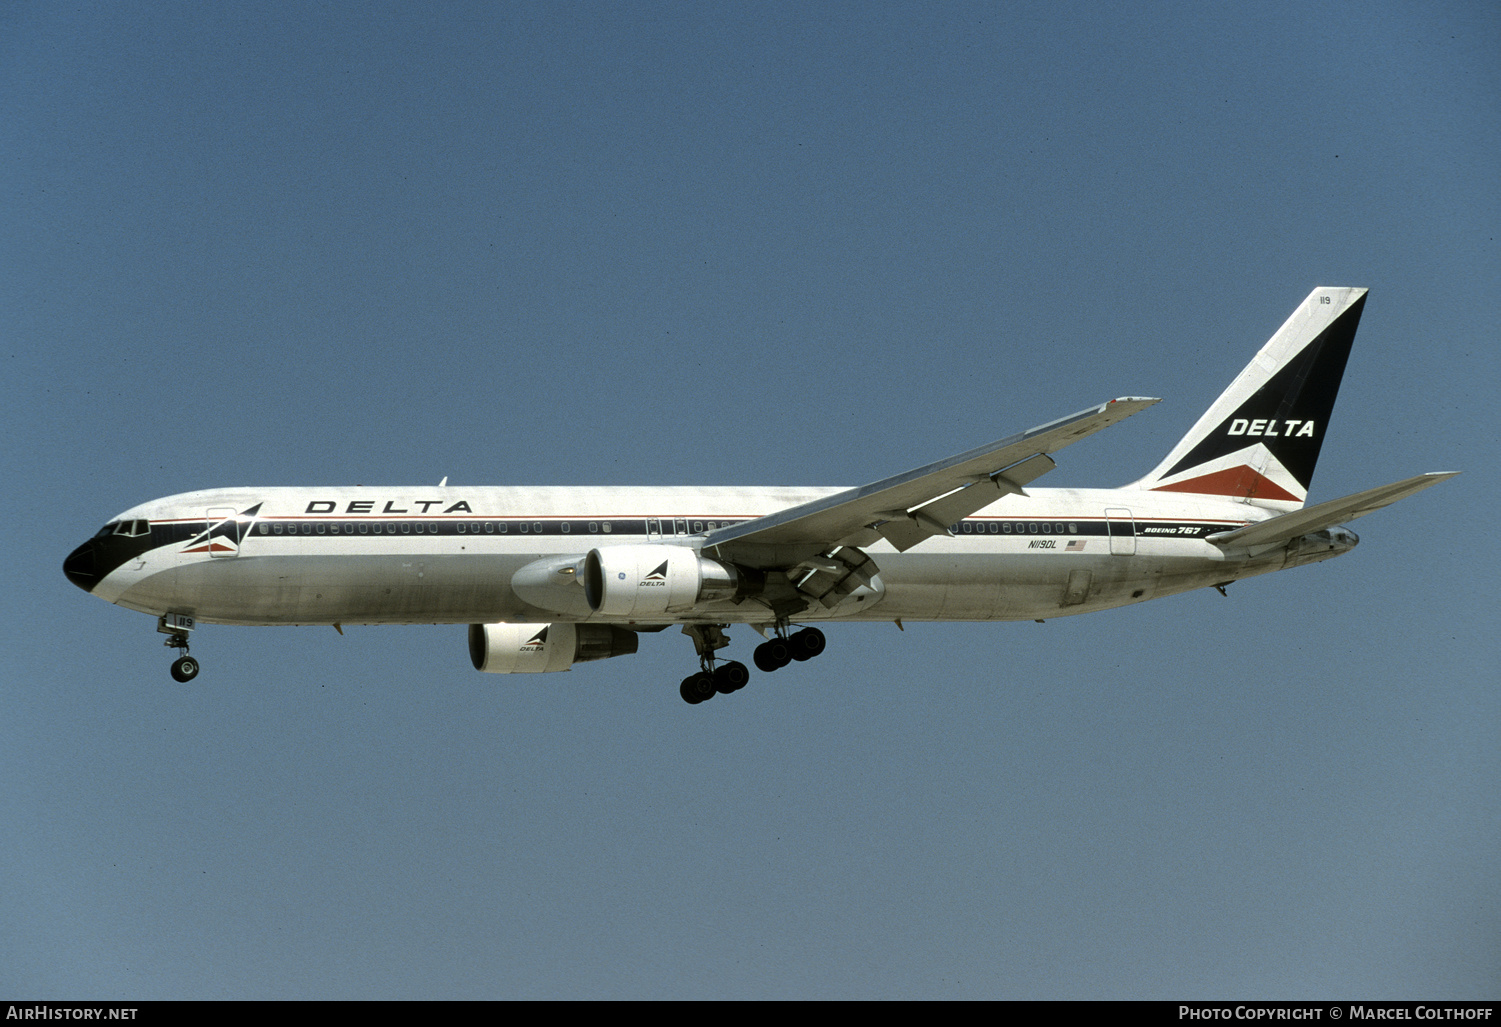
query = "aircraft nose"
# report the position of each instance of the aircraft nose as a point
(80, 569)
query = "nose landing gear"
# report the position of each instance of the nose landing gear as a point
(176, 628)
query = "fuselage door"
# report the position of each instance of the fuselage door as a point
(223, 531)
(1122, 529)
(653, 529)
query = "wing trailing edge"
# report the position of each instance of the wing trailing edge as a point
(907, 508)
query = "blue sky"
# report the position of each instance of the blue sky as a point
(300, 244)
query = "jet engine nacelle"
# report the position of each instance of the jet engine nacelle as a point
(643, 581)
(540, 648)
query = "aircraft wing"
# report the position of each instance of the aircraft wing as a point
(1325, 515)
(908, 508)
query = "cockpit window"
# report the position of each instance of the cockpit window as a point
(132, 528)
(107, 529)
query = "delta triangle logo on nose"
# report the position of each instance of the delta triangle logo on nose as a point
(224, 537)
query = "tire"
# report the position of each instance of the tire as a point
(780, 651)
(773, 654)
(731, 677)
(184, 669)
(700, 686)
(807, 644)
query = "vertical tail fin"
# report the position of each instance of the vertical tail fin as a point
(1260, 440)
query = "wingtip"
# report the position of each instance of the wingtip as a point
(1139, 402)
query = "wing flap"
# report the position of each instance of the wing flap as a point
(897, 507)
(906, 528)
(1325, 515)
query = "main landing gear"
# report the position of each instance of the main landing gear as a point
(176, 628)
(773, 654)
(726, 678)
(776, 653)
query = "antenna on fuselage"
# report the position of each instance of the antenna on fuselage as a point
(443, 482)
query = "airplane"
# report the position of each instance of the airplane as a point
(549, 577)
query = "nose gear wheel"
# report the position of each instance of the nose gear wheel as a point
(184, 668)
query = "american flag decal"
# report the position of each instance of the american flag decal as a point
(1075, 546)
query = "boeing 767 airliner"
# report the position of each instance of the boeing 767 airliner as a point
(549, 577)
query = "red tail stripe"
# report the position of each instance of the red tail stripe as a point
(1240, 482)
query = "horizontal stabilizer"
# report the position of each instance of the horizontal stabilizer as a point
(1325, 515)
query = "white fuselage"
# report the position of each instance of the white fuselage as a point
(401, 555)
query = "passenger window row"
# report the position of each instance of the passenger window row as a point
(447, 527)
(1014, 527)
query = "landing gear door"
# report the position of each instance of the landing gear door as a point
(1122, 529)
